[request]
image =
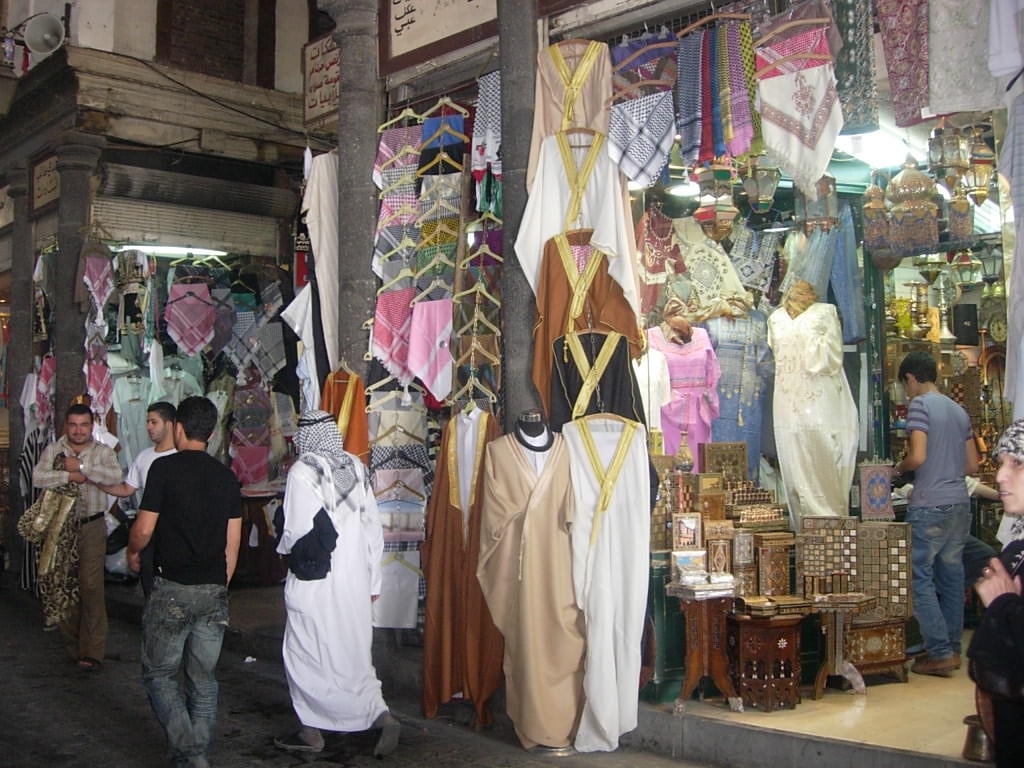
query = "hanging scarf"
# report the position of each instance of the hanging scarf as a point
(319, 445)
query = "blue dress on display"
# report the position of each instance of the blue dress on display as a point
(741, 345)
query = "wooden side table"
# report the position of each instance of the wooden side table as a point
(706, 651)
(764, 659)
(836, 611)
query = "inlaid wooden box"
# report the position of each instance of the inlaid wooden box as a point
(727, 459)
(877, 647)
(772, 552)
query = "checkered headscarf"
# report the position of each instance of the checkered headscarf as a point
(318, 436)
(1012, 441)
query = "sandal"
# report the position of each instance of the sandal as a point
(295, 743)
(89, 663)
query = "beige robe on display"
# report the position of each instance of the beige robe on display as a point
(585, 103)
(525, 571)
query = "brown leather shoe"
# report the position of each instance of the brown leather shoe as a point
(956, 658)
(929, 665)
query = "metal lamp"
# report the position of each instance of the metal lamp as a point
(967, 267)
(821, 212)
(759, 184)
(981, 167)
(948, 154)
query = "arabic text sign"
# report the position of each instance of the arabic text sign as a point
(45, 182)
(414, 24)
(321, 68)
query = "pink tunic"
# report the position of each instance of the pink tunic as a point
(694, 372)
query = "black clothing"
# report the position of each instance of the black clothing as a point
(195, 496)
(310, 558)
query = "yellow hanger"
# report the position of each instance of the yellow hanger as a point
(437, 282)
(441, 156)
(445, 101)
(389, 395)
(441, 204)
(474, 347)
(478, 317)
(406, 113)
(484, 218)
(408, 149)
(404, 181)
(480, 290)
(406, 242)
(403, 274)
(443, 130)
(482, 250)
(473, 384)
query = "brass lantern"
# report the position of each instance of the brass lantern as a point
(759, 184)
(948, 154)
(914, 216)
(718, 178)
(967, 268)
(982, 166)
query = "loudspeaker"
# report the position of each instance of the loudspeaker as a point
(965, 324)
(44, 34)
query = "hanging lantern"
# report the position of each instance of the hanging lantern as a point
(948, 154)
(718, 178)
(914, 217)
(982, 166)
(876, 218)
(821, 212)
(759, 184)
(960, 216)
(967, 267)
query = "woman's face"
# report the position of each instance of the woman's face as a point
(1010, 478)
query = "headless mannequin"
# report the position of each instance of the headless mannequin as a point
(532, 432)
(799, 298)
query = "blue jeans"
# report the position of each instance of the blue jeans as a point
(184, 623)
(937, 540)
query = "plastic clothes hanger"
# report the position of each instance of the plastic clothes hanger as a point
(443, 102)
(405, 114)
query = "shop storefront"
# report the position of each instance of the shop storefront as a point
(614, 320)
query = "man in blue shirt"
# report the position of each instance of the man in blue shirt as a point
(942, 452)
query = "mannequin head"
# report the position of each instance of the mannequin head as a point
(799, 297)
(678, 327)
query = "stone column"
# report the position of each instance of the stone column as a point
(361, 108)
(77, 157)
(19, 349)
(517, 31)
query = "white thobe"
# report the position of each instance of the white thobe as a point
(610, 554)
(320, 204)
(329, 632)
(299, 316)
(604, 208)
(814, 413)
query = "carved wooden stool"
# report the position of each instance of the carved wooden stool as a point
(764, 660)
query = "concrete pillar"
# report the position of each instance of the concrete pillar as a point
(19, 350)
(77, 158)
(517, 31)
(361, 110)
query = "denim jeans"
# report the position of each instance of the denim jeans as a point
(937, 541)
(184, 624)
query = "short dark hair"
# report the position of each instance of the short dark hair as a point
(921, 364)
(79, 409)
(198, 417)
(164, 410)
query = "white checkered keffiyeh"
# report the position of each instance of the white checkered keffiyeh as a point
(640, 136)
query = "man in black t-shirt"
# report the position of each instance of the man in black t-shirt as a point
(192, 511)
